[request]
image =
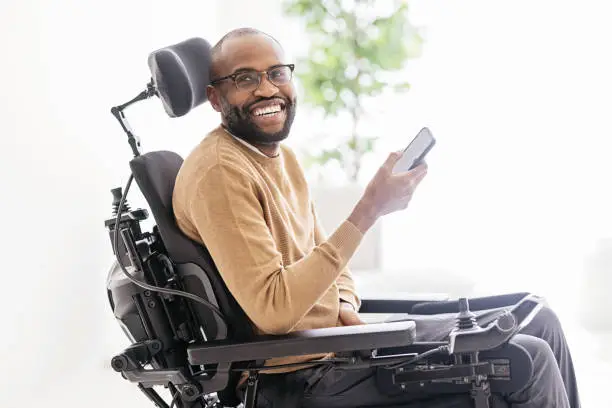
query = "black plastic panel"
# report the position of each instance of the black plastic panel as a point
(333, 339)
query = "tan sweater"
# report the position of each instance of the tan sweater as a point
(256, 217)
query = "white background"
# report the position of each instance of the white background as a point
(517, 93)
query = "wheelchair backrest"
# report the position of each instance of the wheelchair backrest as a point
(155, 173)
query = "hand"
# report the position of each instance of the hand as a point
(387, 192)
(348, 316)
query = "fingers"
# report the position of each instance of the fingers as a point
(407, 183)
(421, 168)
(352, 319)
(389, 192)
(417, 174)
(420, 176)
(349, 317)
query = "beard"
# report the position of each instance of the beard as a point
(240, 123)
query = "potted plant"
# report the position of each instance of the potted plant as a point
(355, 47)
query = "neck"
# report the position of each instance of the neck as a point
(270, 149)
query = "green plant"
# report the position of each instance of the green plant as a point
(352, 51)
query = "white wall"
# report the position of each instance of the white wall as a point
(64, 65)
(518, 95)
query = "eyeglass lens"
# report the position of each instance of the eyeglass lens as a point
(250, 80)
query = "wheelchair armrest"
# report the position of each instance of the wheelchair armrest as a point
(326, 340)
(404, 303)
(479, 303)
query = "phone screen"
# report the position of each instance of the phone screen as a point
(416, 151)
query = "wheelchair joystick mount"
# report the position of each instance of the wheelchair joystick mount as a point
(466, 320)
(466, 362)
(117, 195)
(129, 222)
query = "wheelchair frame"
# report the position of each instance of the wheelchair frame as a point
(455, 366)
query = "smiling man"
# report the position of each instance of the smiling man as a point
(243, 194)
(258, 112)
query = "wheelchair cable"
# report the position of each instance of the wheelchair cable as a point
(146, 285)
(175, 399)
(310, 363)
(418, 357)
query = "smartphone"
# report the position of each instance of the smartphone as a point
(416, 151)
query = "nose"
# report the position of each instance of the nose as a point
(266, 88)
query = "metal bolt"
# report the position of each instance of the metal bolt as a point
(147, 293)
(119, 363)
(151, 303)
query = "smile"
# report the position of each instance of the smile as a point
(268, 110)
(271, 107)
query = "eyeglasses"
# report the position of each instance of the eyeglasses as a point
(249, 80)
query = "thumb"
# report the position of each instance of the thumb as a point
(392, 159)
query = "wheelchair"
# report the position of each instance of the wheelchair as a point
(189, 335)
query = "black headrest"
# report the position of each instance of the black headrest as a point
(181, 73)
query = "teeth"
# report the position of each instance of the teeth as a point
(267, 110)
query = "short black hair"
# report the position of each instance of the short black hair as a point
(238, 32)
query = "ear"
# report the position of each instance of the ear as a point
(213, 97)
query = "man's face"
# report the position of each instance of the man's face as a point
(263, 115)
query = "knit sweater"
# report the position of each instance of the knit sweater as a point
(256, 217)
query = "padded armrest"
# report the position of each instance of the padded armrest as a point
(480, 303)
(403, 304)
(333, 339)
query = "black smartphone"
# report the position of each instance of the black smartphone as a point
(416, 151)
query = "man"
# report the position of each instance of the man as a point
(244, 195)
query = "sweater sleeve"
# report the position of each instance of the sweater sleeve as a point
(345, 282)
(228, 215)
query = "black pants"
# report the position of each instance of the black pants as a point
(552, 385)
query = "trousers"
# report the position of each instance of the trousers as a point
(552, 385)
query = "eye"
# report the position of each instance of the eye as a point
(279, 73)
(246, 78)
